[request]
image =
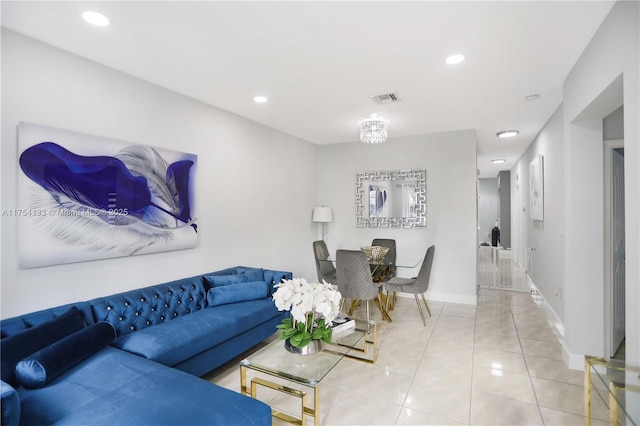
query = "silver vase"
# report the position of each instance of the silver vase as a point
(313, 347)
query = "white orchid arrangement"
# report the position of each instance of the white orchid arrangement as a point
(313, 307)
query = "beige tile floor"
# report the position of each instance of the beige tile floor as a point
(497, 363)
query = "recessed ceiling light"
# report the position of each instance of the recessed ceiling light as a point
(95, 18)
(260, 99)
(507, 133)
(454, 59)
(498, 161)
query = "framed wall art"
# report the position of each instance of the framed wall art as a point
(85, 197)
(536, 188)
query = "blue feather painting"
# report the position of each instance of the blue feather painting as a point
(86, 197)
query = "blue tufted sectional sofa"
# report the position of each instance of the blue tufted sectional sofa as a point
(56, 368)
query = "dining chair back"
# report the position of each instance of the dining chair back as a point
(422, 280)
(416, 286)
(354, 279)
(385, 274)
(326, 271)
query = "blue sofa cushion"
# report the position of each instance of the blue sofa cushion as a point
(251, 274)
(114, 387)
(241, 292)
(10, 408)
(15, 325)
(45, 365)
(221, 280)
(24, 343)
(176, 341)
(244, 276)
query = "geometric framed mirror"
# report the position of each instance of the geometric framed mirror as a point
(391, 198)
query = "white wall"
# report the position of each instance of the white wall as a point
(255, 186)
(450, 161)
(545, 237)
(605, 77)
(613, 125)
(569, 243)
(488, 202)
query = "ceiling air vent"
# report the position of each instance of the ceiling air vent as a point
(387, 98)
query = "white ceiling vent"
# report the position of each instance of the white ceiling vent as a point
(387, 98)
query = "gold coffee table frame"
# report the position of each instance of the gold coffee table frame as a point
(306, 370)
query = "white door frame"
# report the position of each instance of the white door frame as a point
(609, 146)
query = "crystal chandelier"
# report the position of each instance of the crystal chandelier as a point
(373, 131)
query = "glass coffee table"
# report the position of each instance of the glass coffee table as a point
(308, 370)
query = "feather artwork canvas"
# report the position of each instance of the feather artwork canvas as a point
(85, 197)
(536, 188)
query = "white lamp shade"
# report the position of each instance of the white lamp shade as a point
(322, 214)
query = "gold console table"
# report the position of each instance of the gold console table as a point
(618, 384)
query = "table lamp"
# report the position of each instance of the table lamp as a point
(322, 215)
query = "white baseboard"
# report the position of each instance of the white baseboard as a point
(573, 361)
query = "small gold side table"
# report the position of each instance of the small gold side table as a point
(618, 384)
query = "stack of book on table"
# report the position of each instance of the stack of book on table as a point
(342, 324)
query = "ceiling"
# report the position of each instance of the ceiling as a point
(319, 63)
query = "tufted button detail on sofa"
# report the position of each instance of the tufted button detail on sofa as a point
(162, 318)
(181, 288)
(166, 305)
(137, 314)
(175, 314)
(121, 318)
(126, 303)
(188, 311)
(148, 322)
(179, 301)
(198, 306)
(170, 293)
(153, 309)
(157, 296)
(143, 299)
(133, 327)
(193, 286)
(191, 299)
(108, 308)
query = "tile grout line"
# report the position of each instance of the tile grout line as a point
(473, 358)
(413, 377)
(526, 365)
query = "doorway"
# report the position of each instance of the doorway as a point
(614, 253)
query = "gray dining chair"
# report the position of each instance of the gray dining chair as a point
(326, 271)
(355, 283)
(417, 285)
(385, 273)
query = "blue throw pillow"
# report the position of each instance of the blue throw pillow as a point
(45, 365)
(20, 345)
(242, 292)
(251, 275)
(243, 276)
(222, 280)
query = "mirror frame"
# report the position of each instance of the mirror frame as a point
(362, 218)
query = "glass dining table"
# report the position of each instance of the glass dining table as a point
(380, 269)
(400, 263)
